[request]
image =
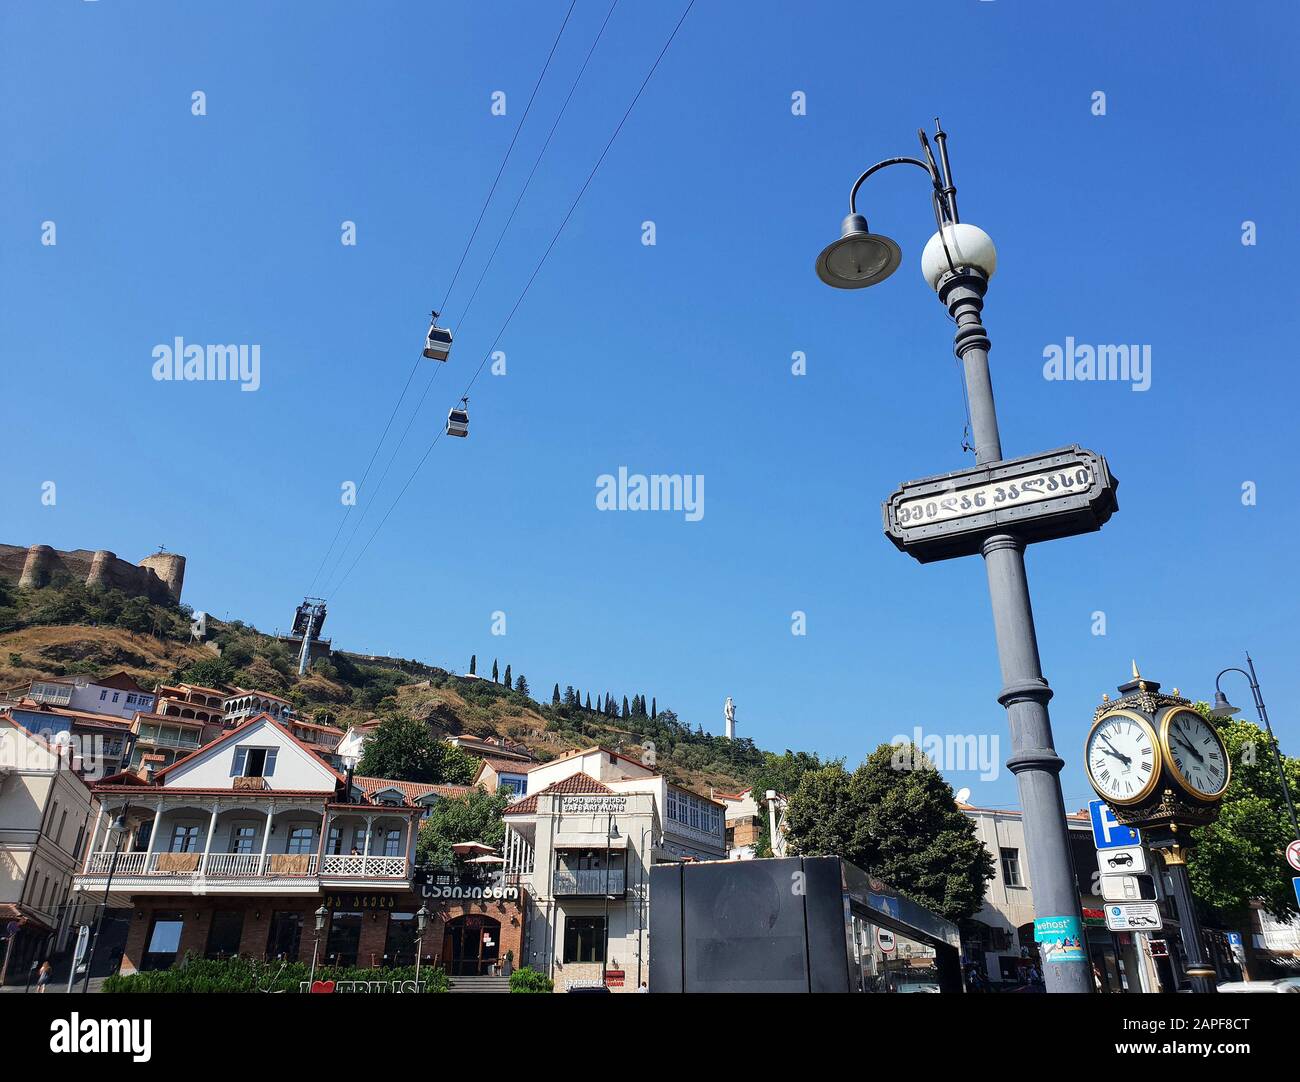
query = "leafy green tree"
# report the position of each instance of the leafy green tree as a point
(1239, 857)
(405, 749)
(208, 672)
(903, 825)
(136, 615)
(474, 817)
(521, 685)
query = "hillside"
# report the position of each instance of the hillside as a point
(46, 633)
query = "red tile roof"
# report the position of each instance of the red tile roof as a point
(574, 783)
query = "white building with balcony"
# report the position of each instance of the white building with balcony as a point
(232, 848)
(582, 842)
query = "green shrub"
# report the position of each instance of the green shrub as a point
(530, 980)
(248, 975)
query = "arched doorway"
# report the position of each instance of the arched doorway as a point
(470, 945)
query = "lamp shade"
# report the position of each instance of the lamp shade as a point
(859, 258)
(968, 245)
(1222, 708)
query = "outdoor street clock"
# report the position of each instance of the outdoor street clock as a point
(1157, 762)
(1122, 757)
(1128, 756)
(1163, 769)
(1193, 753)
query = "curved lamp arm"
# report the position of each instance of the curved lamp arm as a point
(1225, 673)
(853, 194)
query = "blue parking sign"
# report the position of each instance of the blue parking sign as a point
(1107, 833)
(1296, 884)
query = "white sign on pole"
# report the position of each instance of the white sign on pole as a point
(1129, 860)
(1121, 888)
(1133, 917)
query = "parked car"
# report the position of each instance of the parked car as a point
(1285, 984)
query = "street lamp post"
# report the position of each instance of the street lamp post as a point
(322, 915)
(421, 922)
(611, 832)
(1223, 709)
(119, 829)
(958, 262)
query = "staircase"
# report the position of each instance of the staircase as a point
(480, 984)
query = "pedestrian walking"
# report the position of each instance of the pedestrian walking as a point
(43, 976)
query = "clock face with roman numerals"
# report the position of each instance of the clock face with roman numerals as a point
(1123, 758)
(1195, 753)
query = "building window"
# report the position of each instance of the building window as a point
(584, 939)
(164, 940)
(185, 839)
(400, 947)
(103, 695)
(393, 843)
(285, 936)
(253, 763)
(334, 846)
(301, 840)
(1011, 867)
(344, 938)
(224, 935)
(731, 837)
(242, 839)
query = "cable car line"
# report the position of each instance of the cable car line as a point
(464, 253)
(533, 277)
(482, 275)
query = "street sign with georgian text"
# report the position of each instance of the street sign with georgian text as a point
(1038, 498)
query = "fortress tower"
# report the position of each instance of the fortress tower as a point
(38, 567)
(170, 568)
(100, 568)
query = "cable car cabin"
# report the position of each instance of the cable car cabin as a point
(458, 422)
(437, 345)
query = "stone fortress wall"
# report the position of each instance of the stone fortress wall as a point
(158, 577)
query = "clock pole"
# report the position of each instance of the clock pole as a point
(1172, 805)
(1199, 970)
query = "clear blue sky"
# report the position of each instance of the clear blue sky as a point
(1123, 228)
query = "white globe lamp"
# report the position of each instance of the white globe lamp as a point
(968, 245)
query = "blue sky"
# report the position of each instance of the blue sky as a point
(671, 358)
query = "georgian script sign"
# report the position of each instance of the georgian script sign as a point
(583, 805)
(448, 884)
(1036, 498)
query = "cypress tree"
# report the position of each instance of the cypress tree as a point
(509, 682)
(473, 663)
(495, 675)
(626, 712)
(654, 708)
(555, 696)
(589, 700)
